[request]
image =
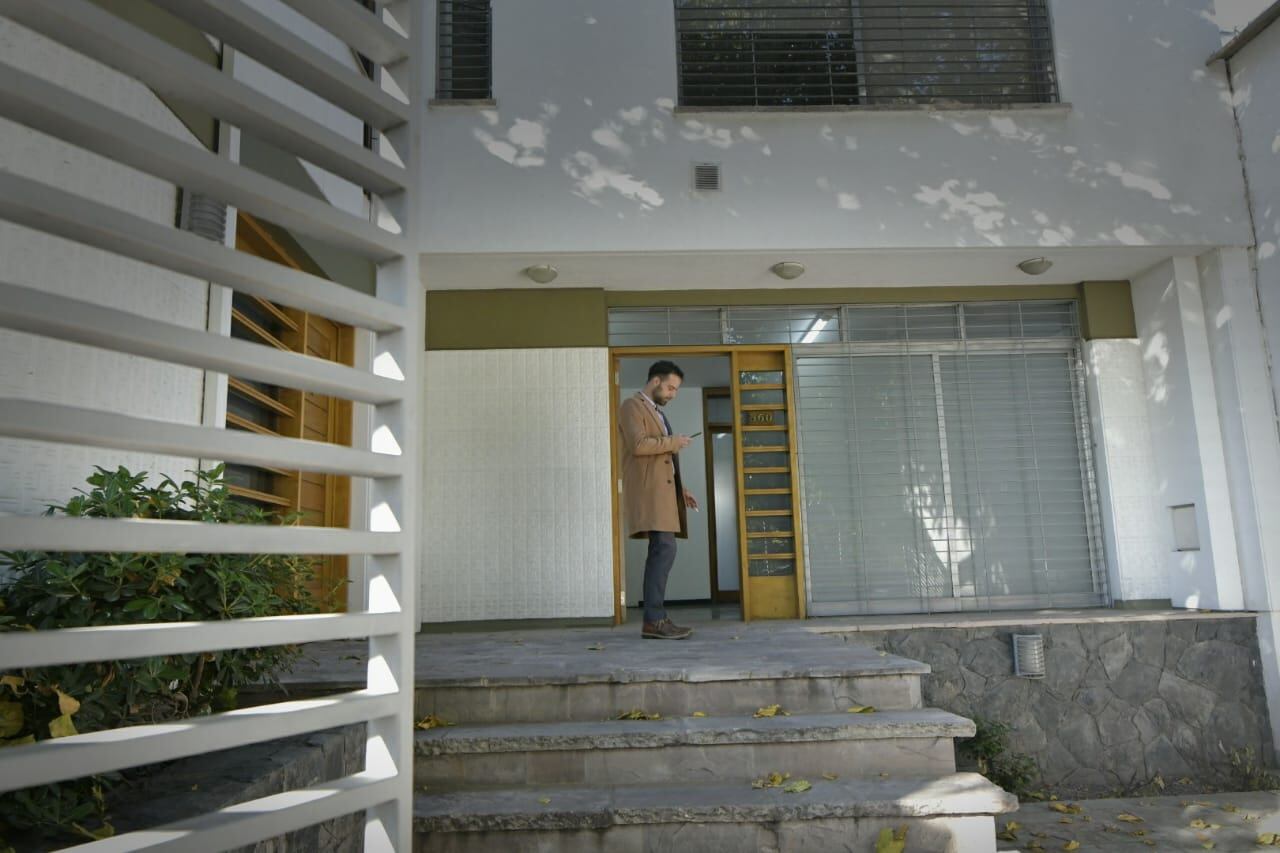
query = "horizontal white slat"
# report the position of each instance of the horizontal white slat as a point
(266, 817)
(357, 26)
(122, 642)
(28, 310)
(62, 113)
(245, 28)
(120, 535)
(45, 208)
(82, 755)
(87, 28)
(39, 421)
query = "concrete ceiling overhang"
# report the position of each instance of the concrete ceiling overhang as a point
(965, 266)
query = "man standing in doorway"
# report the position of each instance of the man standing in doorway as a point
(653, 497)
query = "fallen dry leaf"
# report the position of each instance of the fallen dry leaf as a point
(773, 780)
(595, 647)
(830, 777)
(892, 841)
(62, 726)
(699, 713)
(1065, 820)
(1128, 818)
(797, 787)
(861, 709)
(544, 800)
(1066, 808)
(1071, 845)
(771, 711)
(431, 721)
(637, 714)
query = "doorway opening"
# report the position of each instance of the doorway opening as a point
(744, 552)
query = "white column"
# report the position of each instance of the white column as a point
(1182, 400)
(1248, 417)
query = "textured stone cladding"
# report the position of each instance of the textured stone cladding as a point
(1120, 702)
(193, 786)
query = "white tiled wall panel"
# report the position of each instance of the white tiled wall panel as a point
(34, 474)
(517, 518)
(1133, 522)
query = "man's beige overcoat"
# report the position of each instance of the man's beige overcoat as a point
(652, 494)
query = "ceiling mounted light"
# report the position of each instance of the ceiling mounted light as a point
(788, 270)
(542, 273)
(1035, 266)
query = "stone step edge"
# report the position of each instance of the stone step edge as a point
(689, 731)
(892, 667)
(558, 808)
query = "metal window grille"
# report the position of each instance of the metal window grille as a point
(816, 53)
(945, 462)
(822, 324)
(383, 385)
(464, 45)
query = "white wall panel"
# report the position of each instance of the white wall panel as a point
(1134, 531)
(517, 521)
(34, 474)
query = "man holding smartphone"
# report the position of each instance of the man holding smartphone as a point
(654, 499)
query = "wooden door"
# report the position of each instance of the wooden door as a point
(314, 499)
(768, 485)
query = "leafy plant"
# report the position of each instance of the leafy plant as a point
(1247, 774)
(989, 748)
(50, 590)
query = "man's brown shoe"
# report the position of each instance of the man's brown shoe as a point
(664, 630)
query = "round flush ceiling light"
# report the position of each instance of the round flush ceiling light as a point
(1035, 266)
(788, 270)
(542, 273)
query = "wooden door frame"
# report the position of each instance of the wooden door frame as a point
(661, 352)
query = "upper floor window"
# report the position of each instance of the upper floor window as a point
(822, 53)
(464, 31)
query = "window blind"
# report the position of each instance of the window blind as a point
(948, 474)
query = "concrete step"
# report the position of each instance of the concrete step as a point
(687, 749)
(581, 686)
(953, 814)
(589, 701)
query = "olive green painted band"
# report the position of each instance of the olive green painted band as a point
(533, 319)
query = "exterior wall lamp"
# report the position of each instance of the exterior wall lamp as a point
(788, 270)
(542, 273)
(1035, 266)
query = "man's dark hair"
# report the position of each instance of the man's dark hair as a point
(663, 369)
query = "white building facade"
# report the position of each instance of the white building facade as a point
(1147, 413)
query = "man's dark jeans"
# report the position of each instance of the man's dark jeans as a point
(662, 555)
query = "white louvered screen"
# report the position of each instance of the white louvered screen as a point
(945, 462)
(385, 388)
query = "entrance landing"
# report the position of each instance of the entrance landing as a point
(716, 652)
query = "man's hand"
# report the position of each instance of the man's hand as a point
(689, 500)
(683, 441)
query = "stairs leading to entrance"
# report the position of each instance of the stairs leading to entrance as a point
(537, 761)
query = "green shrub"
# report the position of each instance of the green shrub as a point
(989, 747)
(46, 590)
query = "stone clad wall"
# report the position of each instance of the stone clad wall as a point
(1122, 700)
